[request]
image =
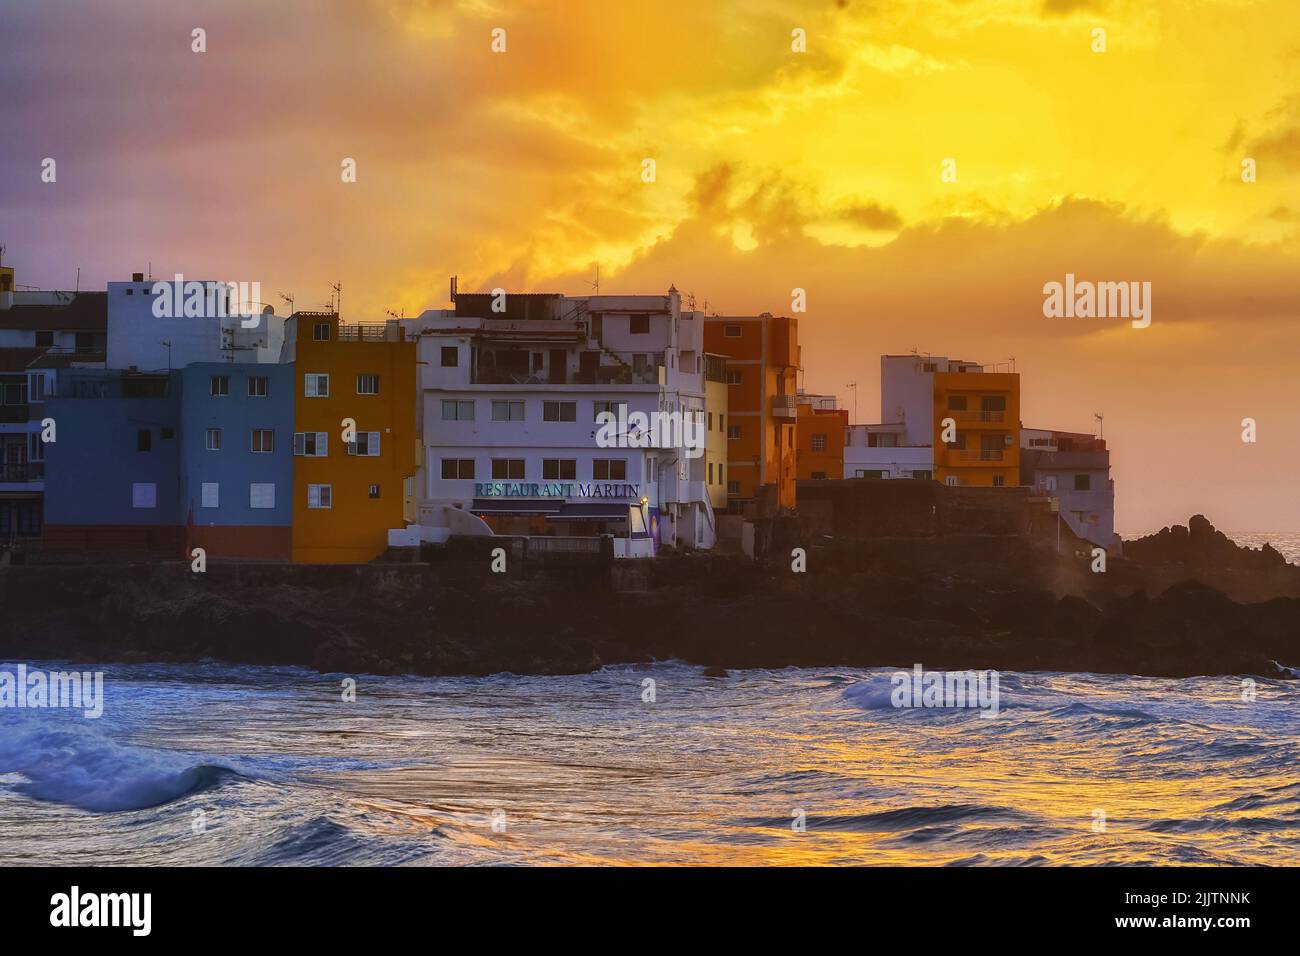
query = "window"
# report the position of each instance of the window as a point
(366, 445)
(261, 494)
(721, 466)
(731, 331)
(609, 469)
(733, 431)
(652, 469)
(1083, 482)
(144, 494)
(710, 472)
(733, 376)
(922, 474)
(453, 468)
(316, 385)
(503, 411)
(44, 340)
(320, 496)
(257, 386)
(819, 476)
(956, 403)
(999, 481)
(508, 468)
(882, 440)
(166, 433)
(559, 411)
(958, 441)
(612, 407)
(220, 385)
(311, 444)
(950, 481)
(454, 410)
(84, 342)
(450, 356)
(559, 469)
(367, 384)
(263, 440)
(214, 439)
(733, 487)
(210, 495)
(638, 324)
(373, 491)
(710, 426)
(321, 332)
(143, 439)
(818, 443)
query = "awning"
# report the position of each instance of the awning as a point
(515, 506)
(592, 511)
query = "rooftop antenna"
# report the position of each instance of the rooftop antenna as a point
(167, 342)
(2, 253)
(150, 270)
(395, 315)
(1101, 424)
(596, 285)
(78, 286)
(1012, 360)
(854, 386)
(337, 298)
(288, 300)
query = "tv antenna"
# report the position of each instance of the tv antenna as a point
(336, 300)
(596, 285)
(288, 300)
(1101, 424)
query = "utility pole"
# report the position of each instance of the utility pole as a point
(854, 386)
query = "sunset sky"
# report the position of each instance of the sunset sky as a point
(775, 170)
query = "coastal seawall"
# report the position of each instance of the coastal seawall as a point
(979, 601)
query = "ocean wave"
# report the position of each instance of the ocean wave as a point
(75, 763)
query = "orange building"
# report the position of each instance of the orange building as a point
(985, 409)
(347, 495)
(762, 364)
(819, 439)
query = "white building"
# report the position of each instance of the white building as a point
(139, 338)
(511, 387)
(1073, 469)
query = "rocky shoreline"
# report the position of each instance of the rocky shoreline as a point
(1183, 603)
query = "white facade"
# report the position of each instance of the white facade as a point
(1073, 469)
(876, 451)
(508, 416)
(137, 338)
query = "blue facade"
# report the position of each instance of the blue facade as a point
(102, 469)
(234, 467)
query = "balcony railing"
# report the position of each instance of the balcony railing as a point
(22, 471)
(983, 454)
(785, 406)
(979, 415)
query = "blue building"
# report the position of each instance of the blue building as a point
(236, 494)
(112, 474)
(164, 462)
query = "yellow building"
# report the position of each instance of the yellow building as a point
(762, 367)
(715, 420)
(347, 495)
(985, 410)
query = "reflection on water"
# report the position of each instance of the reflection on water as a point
(207, 764)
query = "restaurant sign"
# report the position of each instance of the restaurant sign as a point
(557, 489)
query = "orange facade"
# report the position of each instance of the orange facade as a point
(819, 451)
(985, 410)
(348, 495)
(762, 355)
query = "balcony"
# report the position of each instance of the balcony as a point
(22, 471)
(980, 415)
(982, 454)
(785, 406)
